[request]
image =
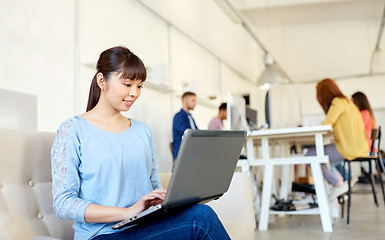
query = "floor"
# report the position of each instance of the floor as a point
(366, 222)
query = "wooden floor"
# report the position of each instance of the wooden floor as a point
(366, 222)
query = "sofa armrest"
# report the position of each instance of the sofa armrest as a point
(165, 179)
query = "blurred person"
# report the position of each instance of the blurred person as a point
(362, 102)
(183, 120)
(348, 130)
(217, 122)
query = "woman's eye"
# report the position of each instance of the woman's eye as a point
(127, 85)
(140, 87)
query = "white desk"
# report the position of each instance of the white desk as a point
(290, 135)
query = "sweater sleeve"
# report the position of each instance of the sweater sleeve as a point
(334, 112)
(65, 159)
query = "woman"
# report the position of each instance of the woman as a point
(361, 101)
(348, 130)
(104, 168)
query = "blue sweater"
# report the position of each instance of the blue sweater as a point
(90, 165)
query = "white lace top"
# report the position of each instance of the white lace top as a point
(90, 165)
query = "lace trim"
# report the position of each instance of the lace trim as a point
(66, 202)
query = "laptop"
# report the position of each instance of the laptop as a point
(203, 171)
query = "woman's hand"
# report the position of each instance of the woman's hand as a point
(102, 214)
(153, 198)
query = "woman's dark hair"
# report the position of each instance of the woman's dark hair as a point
(115, 60)
(327, 90)
(362, 102)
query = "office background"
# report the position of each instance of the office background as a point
(49, 49)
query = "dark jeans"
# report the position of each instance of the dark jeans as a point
(196, 222)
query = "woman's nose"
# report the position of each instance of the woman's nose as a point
(133, 92)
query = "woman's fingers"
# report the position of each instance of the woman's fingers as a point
(154, 195)
(155, 202)
(161, 191)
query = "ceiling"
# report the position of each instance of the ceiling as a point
(314, 39)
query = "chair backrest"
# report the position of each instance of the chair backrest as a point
(379, 159)
(379, 139)
(376, 138)
(25, 182)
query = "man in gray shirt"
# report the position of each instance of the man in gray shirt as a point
(217, 122)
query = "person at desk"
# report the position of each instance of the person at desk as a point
(348, 130)
(104, 167)
(217, 122)
(362, 102)
(183, 120)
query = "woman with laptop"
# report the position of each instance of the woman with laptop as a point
(104, 168)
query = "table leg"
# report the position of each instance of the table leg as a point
(319, 185)
(285, 181)
(322, 197)
(266, 198)
(250, 157)
(267, 186)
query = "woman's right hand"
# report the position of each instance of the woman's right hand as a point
(101, 214)
(151, 199)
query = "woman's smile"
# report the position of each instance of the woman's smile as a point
(128, 103)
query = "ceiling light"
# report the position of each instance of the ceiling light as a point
(271, 75)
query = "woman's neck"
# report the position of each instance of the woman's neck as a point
(107, 119)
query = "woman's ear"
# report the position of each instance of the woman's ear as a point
(100, 81)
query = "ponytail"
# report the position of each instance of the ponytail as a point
(94, 95)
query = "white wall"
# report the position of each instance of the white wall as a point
(36, 49)
(379, 114)
(206, 24)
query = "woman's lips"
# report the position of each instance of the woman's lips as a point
(128, 103)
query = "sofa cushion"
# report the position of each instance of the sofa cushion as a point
(13, 227)
(25, 181)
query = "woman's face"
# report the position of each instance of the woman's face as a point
(121, 94)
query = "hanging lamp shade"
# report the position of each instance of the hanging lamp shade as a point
(271, 75)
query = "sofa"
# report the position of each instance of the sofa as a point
(26, 199)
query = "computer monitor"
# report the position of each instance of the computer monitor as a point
(236, 112)
(251, 117)
(267, 110)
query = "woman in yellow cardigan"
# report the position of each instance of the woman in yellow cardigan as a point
(348, 129)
